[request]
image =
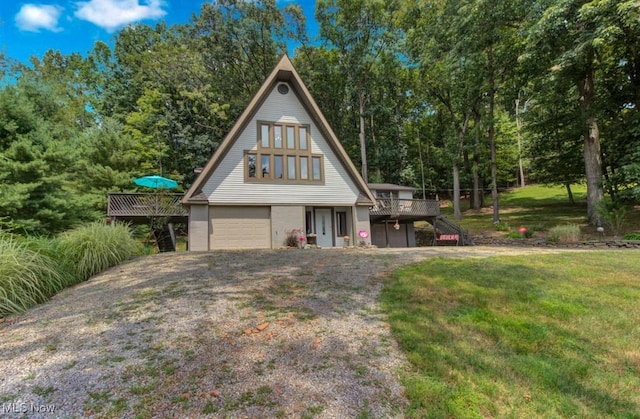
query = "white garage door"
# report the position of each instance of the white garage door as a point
(240, 228)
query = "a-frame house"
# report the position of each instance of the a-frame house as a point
(279, 170)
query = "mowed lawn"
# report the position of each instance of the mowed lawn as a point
(520, 336)
(535, 206)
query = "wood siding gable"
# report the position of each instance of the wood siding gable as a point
(227, 184)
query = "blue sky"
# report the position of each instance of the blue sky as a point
(32, 28)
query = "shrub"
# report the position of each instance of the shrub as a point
(525, 232)
(294, 238)
(514, 235)
(502, 226)
(93, 248)
(569, 233)
(28, 276)
(537, 227)
(613, 216)
(632, 236)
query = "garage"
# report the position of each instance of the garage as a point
(239, 228)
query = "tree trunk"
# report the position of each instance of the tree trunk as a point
(376, 152)
(424, 195)
(612, 190)
(456, 168)
(569, 193)
(492, 143)
(476, 200)
(363, 145)
(519, 128)
(467, 169)
(592, 157)
(456, 192)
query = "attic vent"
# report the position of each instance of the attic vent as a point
(283, 89)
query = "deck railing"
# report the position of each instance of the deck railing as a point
(145, 205)
(169, 205)
(408, 207)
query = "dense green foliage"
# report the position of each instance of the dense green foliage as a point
(95, 247)
(542, 336)
(458, 98)
(27, 277)
(34, 269)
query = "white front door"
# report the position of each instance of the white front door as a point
(324, 228)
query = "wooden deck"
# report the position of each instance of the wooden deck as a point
(142, 205)
(405, 209)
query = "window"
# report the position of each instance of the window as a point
(341, 223)
(308, 220)
(283, 154)
(302, 135)
(304, 168)
(291, 137)
(264, 165)
(264, 135)
(316, 171)
(277, 136)
(291, 167)
(278, 166)
(251, 160)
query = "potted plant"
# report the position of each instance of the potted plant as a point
(311, 238)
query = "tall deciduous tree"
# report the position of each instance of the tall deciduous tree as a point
(579, 40)
(362, 31)
(450, 79)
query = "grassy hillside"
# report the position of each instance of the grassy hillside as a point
(539, 208)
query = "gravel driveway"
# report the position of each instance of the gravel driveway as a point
(283, 333)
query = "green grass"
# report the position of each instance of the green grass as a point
(544, 336)
(532, 205)
(538, 206)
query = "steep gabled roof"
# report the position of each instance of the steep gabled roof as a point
(283, 72)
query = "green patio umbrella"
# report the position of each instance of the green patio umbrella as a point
(156, 182)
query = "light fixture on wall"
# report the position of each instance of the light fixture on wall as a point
(396, 225)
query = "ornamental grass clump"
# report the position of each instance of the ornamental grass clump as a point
(27, 275)
(569, 233)
(91, 249)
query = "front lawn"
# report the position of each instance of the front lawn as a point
(523, 336)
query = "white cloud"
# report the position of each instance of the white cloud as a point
(113, 14)
(33, 17)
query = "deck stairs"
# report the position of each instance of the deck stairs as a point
(165, 238)
(444, 226)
